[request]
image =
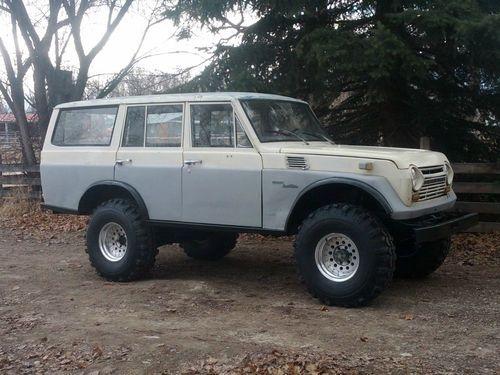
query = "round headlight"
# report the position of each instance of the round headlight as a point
(449, 173)
(417, 178)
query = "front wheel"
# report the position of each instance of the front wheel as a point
(345, 256)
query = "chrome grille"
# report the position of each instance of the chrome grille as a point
(296, 162)
(434, 183)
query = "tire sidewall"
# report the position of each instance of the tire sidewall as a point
(422, 259)
(358, 233)
(101, 217)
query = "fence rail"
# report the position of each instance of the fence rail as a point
(19, 168)
(16, 179)
(481, 197)
(476, 168)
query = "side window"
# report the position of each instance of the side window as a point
(212, 125)
(133, 135)
(241, 137)
(85, 127)
(164, 126)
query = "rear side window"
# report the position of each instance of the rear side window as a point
(164, 126)
(85, 126)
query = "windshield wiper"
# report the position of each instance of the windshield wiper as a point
(318, 134)
(289, 132)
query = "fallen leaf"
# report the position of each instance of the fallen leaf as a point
(96, 351)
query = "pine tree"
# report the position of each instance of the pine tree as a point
(377, 72)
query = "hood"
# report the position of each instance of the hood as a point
(402, 157)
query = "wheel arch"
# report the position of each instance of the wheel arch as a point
(335, 190)
(101, 191)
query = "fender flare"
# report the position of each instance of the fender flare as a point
(370, 190)
(143, 210)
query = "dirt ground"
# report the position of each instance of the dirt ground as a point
(244, 314)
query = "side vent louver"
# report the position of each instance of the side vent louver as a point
(296, 162)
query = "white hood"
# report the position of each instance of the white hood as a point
(402, 157)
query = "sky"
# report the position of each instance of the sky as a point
(170, 55)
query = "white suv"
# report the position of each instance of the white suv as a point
(197, 169)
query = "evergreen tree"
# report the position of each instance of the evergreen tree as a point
(377, 72)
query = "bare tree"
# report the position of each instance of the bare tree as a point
(13, 89)
(137, 82)
(63, 20)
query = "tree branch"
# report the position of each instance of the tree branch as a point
(23, 20)
(75, 19)
(11, 75)
(109, 30)
(115, 81)
(6, 96)
(16, 43)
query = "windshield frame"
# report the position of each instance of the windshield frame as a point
(287, 138)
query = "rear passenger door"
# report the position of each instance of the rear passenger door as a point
(221, 175)
(150, 157)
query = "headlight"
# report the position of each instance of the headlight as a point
(417, 178)
(449, 173)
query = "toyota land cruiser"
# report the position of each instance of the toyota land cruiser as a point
(197, 169)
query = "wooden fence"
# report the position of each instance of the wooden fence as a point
(478, 189)
(16, 179)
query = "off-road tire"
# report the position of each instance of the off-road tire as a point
(140, 255)
(212, 248)
(377, 256)
(422, 259)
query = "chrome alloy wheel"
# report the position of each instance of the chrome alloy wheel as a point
(113, 241)
(337, 257)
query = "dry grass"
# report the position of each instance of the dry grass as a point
(25, 218)
(282, 362)
(476, 248)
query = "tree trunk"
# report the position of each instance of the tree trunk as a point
(29, 158)
(41, 101)
(19, 111)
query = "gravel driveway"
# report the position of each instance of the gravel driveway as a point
(247, 312)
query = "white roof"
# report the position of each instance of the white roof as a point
(176, 98)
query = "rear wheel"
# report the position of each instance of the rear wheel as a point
(345, 256)
(119, 244)
(214, 247)
(420, 260)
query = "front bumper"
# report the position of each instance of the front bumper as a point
(434, 227)
(420, 209)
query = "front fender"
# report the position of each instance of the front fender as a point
(373, 192)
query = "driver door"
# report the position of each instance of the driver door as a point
(221, 172)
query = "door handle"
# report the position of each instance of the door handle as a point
(192, 162)
(124, 161)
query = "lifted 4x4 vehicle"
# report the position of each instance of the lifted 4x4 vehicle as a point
(197, 169)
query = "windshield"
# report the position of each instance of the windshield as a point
(281, 120)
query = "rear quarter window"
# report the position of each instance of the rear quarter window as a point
(85, 126)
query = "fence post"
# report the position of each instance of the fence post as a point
(1, 186)
(425, 143)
